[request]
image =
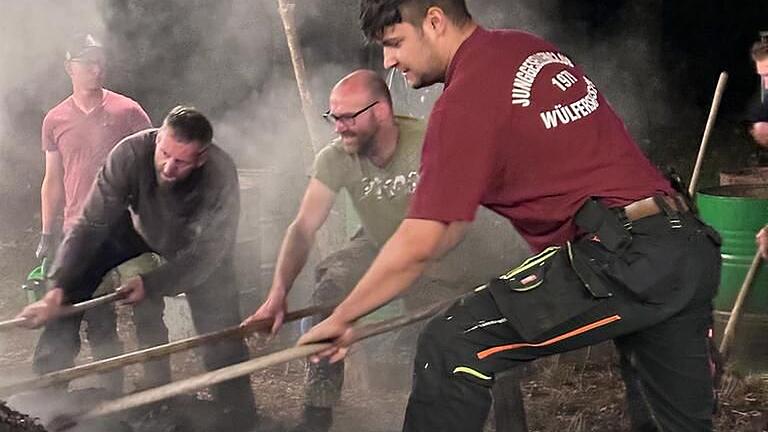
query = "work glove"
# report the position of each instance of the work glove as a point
(44, 247)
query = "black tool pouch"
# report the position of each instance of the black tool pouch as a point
(544, 293)
(596, 253)
(594, 219)
(593, 264)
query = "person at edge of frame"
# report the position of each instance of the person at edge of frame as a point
(758, 120)
(758, 116)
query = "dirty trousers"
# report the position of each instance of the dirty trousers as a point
(214, 305)
(335, 277)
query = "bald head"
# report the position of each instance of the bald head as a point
(364, 82)
(360, 110)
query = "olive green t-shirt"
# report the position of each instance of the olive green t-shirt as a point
(379, 195)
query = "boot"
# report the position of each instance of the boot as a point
(315, 419)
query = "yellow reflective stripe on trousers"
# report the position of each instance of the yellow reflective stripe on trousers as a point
(532, 262)
(470, 371)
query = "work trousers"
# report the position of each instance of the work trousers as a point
(101, 332)
(335, 276)
(214, 305)
(652, 297)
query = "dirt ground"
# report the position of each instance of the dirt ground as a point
(578, 393)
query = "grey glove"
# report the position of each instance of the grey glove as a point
(44, 247)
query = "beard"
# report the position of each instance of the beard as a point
(358, 145)
(166, 184)
(162, 183)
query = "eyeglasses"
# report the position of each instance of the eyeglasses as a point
(346, 119)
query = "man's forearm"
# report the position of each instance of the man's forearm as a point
(292, 257)
(51, 198)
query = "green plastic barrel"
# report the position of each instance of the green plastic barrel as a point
(738, 212)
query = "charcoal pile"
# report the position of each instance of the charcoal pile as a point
(13, 421)
(53, 411)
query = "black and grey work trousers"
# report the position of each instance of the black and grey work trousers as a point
(101, 332)
(335, 276)
(653, 298)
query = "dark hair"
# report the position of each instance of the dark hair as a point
(189, 125)
(379, 89)
(760, 50)
(376, 15)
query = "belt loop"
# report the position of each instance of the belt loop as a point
(621, 213)
(680, 202)
(672, 215)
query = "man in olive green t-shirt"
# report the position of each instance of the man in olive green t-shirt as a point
(376, 159)
(379, 185)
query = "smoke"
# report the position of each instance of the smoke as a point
(32, 80)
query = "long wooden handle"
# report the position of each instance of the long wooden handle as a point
(66, 375)
(250, 366)
(92, 303)
(68, 310)
(204, 380)
(11, 323)
(738, 305)
(719, 90)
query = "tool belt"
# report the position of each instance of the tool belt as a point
(654, 205)
(561, 284)
(614, 226)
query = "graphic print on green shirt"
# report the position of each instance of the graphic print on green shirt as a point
(379, 195)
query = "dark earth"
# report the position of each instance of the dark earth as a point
(578, 392)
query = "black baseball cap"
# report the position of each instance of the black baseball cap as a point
(84, 46)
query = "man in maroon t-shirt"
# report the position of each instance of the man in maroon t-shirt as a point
(522, 130)
(77, 135)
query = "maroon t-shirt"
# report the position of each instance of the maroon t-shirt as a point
(85, 140)
(521, 130)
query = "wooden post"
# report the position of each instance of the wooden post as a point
(287, 16)
(332, 236)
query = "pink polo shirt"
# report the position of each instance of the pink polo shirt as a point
(84, 140)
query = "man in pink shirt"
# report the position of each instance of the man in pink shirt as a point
(77, 135)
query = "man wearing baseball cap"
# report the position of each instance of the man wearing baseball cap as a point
(758, 117)
(77, 135)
